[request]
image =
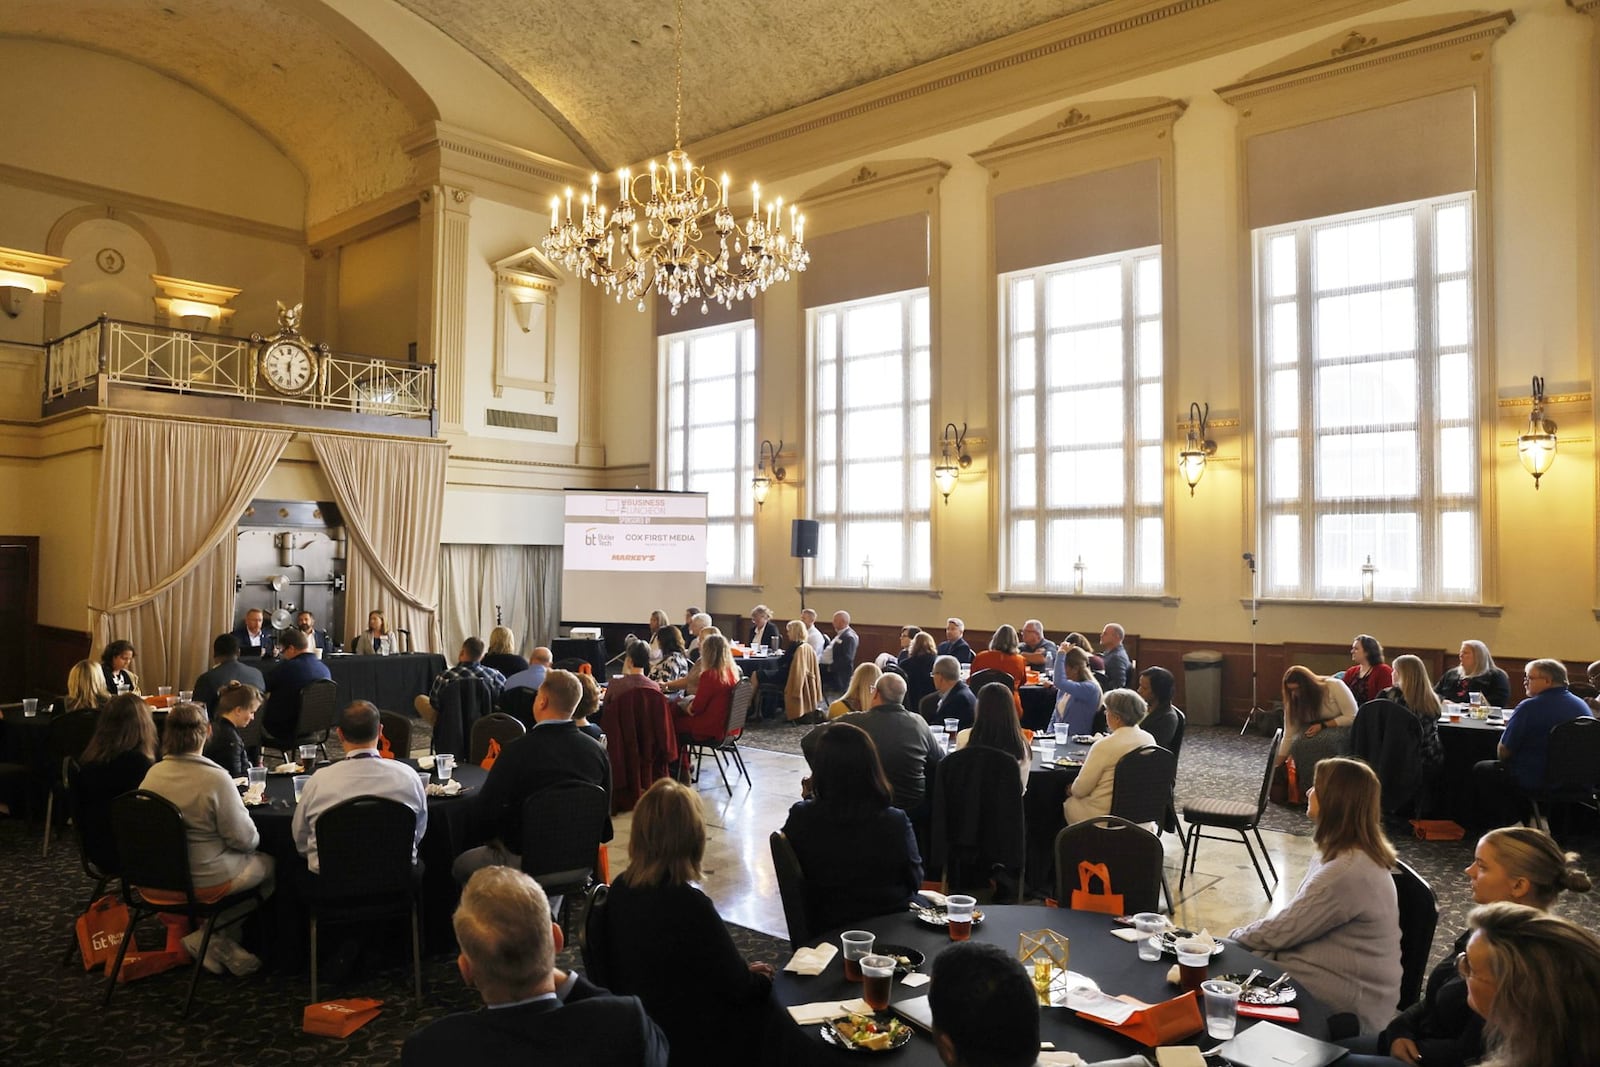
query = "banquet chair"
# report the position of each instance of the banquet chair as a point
(69, 736)
(153, 850)
(978, 832)
(497, 725)
(594, 944)
(397, 729)
(928, 708)
(364, 847)
(1142, 791)
(791, 890)
(727, 746)
(563, 828)
(1572, 772)
(461, 703)
(1239, 816)
(978, 679)
(518, 703)
(319, 707)
(1170, 823)
(1388, 738)
(98, 860)
(1419, 918)
(1132, 854)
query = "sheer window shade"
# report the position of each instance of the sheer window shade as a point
(1078, 218)
(873, 260)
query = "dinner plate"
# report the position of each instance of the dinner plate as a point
(1258, 994)
(907, 959)
(1170, 939)
(934, 915)
(901, 1039)
(285, 768)
(1083, 739)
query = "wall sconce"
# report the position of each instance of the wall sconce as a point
(1369, 580)
(25, 274)
(1537, 447)
(761, 484)
(949, 468)
(1192, 457)
(522, 310)
(14, 288)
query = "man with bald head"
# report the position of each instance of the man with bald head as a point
(838, 657)
(1116, 657)
(906, 744)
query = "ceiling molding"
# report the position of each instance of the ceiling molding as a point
(1587, 7)
(874, 177)
(464, 152)
(1080, 122)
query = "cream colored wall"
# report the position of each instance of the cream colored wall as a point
(378, 293)
(1544, 176)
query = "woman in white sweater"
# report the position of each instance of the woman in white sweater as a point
(1340, 935)
(1091, 791)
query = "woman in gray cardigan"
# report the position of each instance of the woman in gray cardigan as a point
(1340, 935)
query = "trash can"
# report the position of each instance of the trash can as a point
(1202, 687)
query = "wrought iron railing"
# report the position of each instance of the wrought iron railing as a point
(156, 357)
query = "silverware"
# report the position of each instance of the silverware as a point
(1278, 982)
(1248, 982)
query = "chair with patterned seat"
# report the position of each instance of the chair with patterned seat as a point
(1240, 816)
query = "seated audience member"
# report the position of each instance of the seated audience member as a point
(1535, 979)
(906, 745)
(554, 752)
(838, 658)
(298, 670)
(1476, 674)
(907, 635)
(1116, 658)
(985, 1009)
(1090, 794)
(502, 653)
(956, 699)
(635, 671)
(706, 717)
(1003, 655)
(1080, 698)
(225, 668)
(814, 636)
(115, 662)
(362, 773)
(508, 947)
(858, 852)
(375, 640)
(658, 622)
(763, 630)
(662, 930)
(541, 659)
(1412, 691)
(918, 665)
(1340, 935)
(119, 754)
(858, 697)
(996, 727)
(254, 639)
(236, 709)
(1370, 675)
(1097, 662)
(671, 661)
(306, 623)
(687, 630)
(469, 664)
(955, 642)
(1317, 713)
(1524, 749)
(699, 622)
(802, 686)
(1592, 696)
(1037, 649)
(222, 838)
(1155, 686)
(1516, 864)
(86, 686)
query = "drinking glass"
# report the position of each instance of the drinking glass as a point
(30, 707)
(1152, 925)
(308, 757)
(444, 765)
(1062, 737)
(1222, 1008)
(300, 781)
(257, 779)
(958, 912)
(1194, 956)
(951, 728)
(856, 944)
(164, 690)
(186, 695)
(877, 977)
(1475, 699)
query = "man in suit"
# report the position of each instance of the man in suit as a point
(306, 623)
(254, 640)
(956, 699)
(984, 1007)
(554, 752)
(298, 670)
(226, 668)
(838, 659)
(508, 946)
(955, 642)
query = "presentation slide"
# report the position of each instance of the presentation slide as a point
(628, 553)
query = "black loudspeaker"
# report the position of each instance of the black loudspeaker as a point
(803, 539)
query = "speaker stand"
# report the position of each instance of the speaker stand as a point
(802, 583)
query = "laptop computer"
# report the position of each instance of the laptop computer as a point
(1270, 1045)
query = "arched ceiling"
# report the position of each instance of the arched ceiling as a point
(604, 70)
(271, 62)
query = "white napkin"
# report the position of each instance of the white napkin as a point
(1128, 933)
(812, 960)
(1060, 1059)
(1100, 1006)
(934, 897)
(914, 979)
(443, 789)
(821, 1011)
(286, 768)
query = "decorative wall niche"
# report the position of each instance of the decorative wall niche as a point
(526, 285)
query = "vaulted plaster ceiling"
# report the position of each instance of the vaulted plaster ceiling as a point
(603, 70)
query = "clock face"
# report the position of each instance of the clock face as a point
(288, 367)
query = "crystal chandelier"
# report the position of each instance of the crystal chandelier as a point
(653, 239)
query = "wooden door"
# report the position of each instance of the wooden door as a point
(19, 610)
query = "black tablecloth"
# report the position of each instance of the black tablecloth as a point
(26, 740)
(450, 826)
(1112, 963)
(1465, 743)
(1042, 811)
(1038, 704)
(390, 682)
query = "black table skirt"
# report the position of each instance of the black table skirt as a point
(451, 824)
(27, 740)
(1042, 811)
(1038, 704)
(1465, 743)
(1112, 963)
(390, 682)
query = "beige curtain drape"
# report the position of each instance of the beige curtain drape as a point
(171, 494)
(524, 580)
(391, 495)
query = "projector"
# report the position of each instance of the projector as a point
(581, 632)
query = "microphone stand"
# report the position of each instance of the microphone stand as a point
(1255, 593)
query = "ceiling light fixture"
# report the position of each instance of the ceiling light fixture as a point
(672, 256)
(1537, 447)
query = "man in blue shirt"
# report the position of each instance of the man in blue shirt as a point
(1116, 657)
(1524, 748)
(298, 670)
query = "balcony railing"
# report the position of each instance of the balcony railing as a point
(113, 352)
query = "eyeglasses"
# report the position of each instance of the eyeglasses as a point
(1463, 965)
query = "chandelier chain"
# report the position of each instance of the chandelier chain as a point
(677, 68)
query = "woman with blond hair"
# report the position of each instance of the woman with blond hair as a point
(1413, 691)
(1340, 935)
(706, 717)
(502, 653)
(859, 696)
(1476, 674)
(1535, 979)
(86, 686)
(802, 689)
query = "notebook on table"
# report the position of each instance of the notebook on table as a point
(1270, 1045)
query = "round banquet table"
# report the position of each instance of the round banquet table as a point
(1043, 813)
(450, 829)
(1465, 743)
(1114, 964)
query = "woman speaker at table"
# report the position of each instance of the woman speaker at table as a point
(1340, 935)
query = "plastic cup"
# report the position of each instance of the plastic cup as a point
(1475, 699)
(958, 910)
(186, 695)
(856, 944)
(258, 779)
(444, 765)
(1194, 957)
(300, 781)
(952, 727)
(30, 707)
(164, 690)
(1152, 925)
(1222, 1008)
(308, 756)
(877, 978)
(1062, 737)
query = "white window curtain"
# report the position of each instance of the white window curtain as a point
(523, 580)
(391, 494)
(171, 494)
